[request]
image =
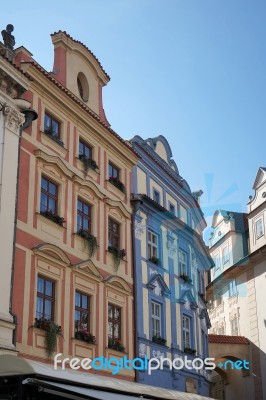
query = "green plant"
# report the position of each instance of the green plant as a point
(154, 260)
(186, 278)
(53, 135)
(118, 255)
(88, 163)
(53, 217)
(90, 241)
(52, 331)
(159, 340)
(117, 183)
(116, 344)
(190, 351)
(86, 336)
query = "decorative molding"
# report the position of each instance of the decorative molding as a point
(10, 86)
(139, 229)
(52, 253)
(142, 350)
(115, 282)
(13, 119)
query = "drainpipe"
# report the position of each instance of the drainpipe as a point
(136, 201)
(30, 116)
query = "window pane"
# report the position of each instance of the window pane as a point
(44, 184)
(86, 209)
(48, 309)
(47, 121)
(87, 152)
(48, 288)
(40, 285)
(55, 127)
(52, 205)
(84, 301)
(52, 188)
(77, 299)
(39, 307)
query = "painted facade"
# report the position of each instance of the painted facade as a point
(13, 83)
(237, 287)
(73, 256)
(170, 263)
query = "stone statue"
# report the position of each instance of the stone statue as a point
(8, 38)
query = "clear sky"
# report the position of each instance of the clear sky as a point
(191, 70)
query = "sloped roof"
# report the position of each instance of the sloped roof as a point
(226, 339)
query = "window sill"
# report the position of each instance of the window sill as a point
(94, 173)
(83, 342)
(113, 189)
(53, 221)
(48, 140)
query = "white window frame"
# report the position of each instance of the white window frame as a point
(156, 319)
(183, 267)
(234, 326)
(153, 249)
(183, 214)
(186, 331)
(259, 232)
(216, 259)
(226, 256)
(232, 288)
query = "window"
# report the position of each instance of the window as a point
(216, 260)
(193, 224)
(220, 330)
(225, 255)
(85, 150)
(183, 214)
(82, 321)
(49, 196)
(183, 263)
(51, 126)
(234, 326)
(232, 288)
(259, 228)
(152, 245)
(186, 328)
(114, 322)
(113, 171)
(156, 196)
(171, 208)
(113, 233)
(45, 298)
(83, 216)
(156, 319)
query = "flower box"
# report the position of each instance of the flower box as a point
(85, 336)
(159, 340)
(116, 344)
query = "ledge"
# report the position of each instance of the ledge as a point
(49, 141)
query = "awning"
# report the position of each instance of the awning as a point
(73, 392)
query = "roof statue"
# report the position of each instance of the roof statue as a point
(8, 38)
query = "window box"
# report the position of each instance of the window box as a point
(88, 163)
(186, 278)
(116, 344)
(52, 135)
(154, 260)
(159, 340)
(190, 351)
(85, 336)
(53, 217)
(117, 254)
(52, 331)
(118, 184)
(90, 240)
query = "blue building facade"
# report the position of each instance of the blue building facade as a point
(169, 268)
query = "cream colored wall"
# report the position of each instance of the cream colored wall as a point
(161, 151)
(256, 243)
(75, 65)
(154, 185)
(141, 181)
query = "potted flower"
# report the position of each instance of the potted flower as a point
(117, 183)
(52, 331)
(53, 217)
(154, 260)
(88, 163)
(115, 344)
(159, 340)
(86, 336)
(90, 241)
(190, 351)
(186, 278)
(118, 255)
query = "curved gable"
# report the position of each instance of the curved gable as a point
(52, 253)
(118, 283)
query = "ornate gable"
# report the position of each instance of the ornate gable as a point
(187, 297)
(90, 269)
(158, 285)
(118, 283)
(51, 253)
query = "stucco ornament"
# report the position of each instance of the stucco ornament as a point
(157, 289)
(13, 119)
(157, 354)
(139, 229)
(142, 349)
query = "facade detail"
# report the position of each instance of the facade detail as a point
(170, 263)
(236, 288)
(13, 83)
(65, 279)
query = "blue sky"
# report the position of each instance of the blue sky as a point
(191, 70)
